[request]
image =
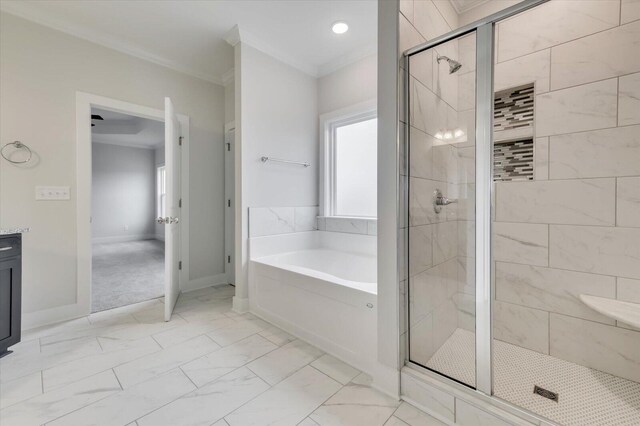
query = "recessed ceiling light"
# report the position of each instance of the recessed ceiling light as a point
(340, 27)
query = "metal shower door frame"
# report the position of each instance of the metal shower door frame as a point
(484, 193)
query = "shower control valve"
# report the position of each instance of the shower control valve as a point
(440, 200)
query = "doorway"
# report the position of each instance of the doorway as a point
(175, 196)
(128, 194)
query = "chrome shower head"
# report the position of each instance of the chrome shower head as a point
(453, 64)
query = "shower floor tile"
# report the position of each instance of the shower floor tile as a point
(586, 396)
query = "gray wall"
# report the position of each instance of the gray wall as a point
(350, 85)
(123, 193)
(41, 70)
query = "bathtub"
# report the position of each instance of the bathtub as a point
(321, 287)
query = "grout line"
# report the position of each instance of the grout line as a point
(117, 378)
(564, 42)
(618, 100)
(620, 13)
(187, 376)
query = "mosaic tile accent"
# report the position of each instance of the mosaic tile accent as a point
(513, 160)
(513, 108)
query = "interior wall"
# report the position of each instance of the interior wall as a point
(278, 117)
(123, 193)
(229, 102)
(40, 71)
(347, 86)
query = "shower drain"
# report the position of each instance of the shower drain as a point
(545, 393)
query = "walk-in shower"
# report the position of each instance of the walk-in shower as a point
(523, 224)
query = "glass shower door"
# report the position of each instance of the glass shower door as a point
(441, 213)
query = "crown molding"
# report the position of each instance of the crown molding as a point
(30, 13)
(237, 35)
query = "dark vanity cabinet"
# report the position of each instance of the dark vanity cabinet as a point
(10, 291)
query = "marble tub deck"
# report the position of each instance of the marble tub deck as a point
(207, 366)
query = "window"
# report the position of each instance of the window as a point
(350, 161)
(162, 191)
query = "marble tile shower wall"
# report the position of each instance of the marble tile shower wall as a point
(575, 229)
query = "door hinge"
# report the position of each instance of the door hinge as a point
(180, 203)
(228, 259)
(180, 265)
(180, 141)
(229, 203)
(228, 146)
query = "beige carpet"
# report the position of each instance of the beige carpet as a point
(126, 273)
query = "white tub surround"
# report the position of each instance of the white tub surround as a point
(349, 225)
(321, 287)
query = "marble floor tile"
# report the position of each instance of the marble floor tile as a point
(162, 361)
(351, 415)
(394, 421)
(209, 403)
(279, 364)
(355, 405)
(287, 403)
(277, 336)
(236, 331)
(109, 369)
(208, 368)
(181, 334)
(51, 405)
(128, 405)
(336, 369)
(410, 415)
(72, 371)
(20, 389)
(12, 368)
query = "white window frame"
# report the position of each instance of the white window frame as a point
(161, 189)
(329, 122)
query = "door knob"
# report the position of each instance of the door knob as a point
(167, 220)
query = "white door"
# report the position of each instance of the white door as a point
(229, 212)
(172, 145)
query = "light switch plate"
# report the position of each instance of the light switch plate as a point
(52, 193)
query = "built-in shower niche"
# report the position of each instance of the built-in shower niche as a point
(513, 128)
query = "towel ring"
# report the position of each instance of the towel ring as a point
(17, 145)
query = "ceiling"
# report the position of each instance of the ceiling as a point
(126, 130)
(188, 36)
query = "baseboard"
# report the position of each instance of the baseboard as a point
(240, 305)
(203, 282)
(53, 315)
(123, 238)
